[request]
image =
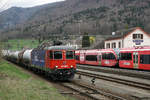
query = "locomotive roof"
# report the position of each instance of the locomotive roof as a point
(60, 48)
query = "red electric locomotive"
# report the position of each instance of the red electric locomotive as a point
(60, 58)
(57, 61)
(135, 58)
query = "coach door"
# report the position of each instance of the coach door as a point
(99, 59)
(135, 60)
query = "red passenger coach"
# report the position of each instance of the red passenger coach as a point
(108, 57)
(135, 58)
(82, 56)
(101, 57)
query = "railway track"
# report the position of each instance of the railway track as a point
(90, 92)
(124, 72)
(116, 80)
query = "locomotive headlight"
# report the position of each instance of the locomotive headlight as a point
(56, 66)
(71, 66)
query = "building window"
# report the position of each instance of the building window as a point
(108, 45)
(119, 45)
(137, 36)
(113, 45)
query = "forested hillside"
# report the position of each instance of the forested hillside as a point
(71, 16)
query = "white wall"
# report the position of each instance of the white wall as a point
(116, 41)
(128, 40)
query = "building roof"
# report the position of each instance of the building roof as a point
(59, 48)
(124, 33)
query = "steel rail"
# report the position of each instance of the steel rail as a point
(117, 80)
(124, 72)
(90, 91)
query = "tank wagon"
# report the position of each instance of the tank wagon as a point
(56, 62)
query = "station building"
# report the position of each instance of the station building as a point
(130, 38)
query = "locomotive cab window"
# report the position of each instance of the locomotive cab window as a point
(57, 54)
(51, 54)
(69, 54)
(125, 56)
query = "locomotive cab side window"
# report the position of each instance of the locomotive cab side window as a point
(51, 54)
(125, 56)
(57, 54)
(145, 59)
(69, 54)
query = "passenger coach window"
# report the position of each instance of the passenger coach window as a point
(108, 56)
(69, 55)
(125, 56)
(51, 54)
(145, 59)
(91, 57)
(57, 55)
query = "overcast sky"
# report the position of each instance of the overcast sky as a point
(5, 4)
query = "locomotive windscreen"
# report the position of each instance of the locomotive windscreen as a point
(69, 54)
(57, 54)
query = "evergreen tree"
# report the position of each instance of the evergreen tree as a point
(85, 40)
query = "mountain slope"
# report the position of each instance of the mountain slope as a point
(79, 16)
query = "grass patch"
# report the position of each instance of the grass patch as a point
(18, 44)
(17, 85)
(12, 71)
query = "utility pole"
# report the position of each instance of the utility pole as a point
(122, 39)
(80, 21)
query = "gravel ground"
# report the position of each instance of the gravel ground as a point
(119, 89)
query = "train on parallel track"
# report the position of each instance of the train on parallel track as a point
(133, 58)
(57, 62)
